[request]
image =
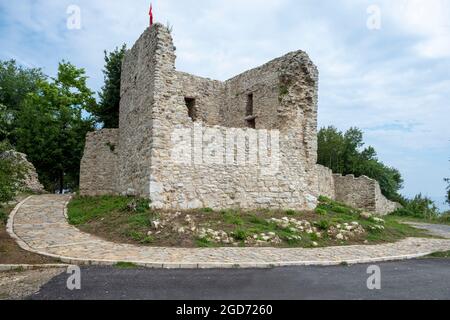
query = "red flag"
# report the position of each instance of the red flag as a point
(151, 15)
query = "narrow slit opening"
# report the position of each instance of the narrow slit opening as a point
(192, 110)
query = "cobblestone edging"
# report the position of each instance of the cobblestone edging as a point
(39, 225)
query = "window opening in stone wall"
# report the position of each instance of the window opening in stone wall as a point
(192, 109)
(249, 116)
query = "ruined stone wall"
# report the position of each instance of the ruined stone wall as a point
(262, 83)
(356, 192)
(363, 193)
(98, 172)
(383, 205)
(136, 122)
(208, 95)
(326, 182)
(225, 184)
(217, 158)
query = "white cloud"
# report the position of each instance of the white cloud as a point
(394, 82)
(429, 20)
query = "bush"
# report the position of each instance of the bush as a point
(420, 207)
(445, 218)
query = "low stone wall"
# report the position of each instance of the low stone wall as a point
(99, 163)
(383, 205)
(356, 192)
(363, 193)
(326, 182)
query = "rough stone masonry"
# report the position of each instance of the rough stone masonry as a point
(188, 142)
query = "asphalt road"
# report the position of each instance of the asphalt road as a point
(415, 279)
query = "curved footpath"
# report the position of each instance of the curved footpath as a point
(39, 224)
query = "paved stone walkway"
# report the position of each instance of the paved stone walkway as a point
(39, 224)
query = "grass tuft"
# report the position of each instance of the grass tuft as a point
(240, 234)
(204, 243)
(126, 265)
(445, 254)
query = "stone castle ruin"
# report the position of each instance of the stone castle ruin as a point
(188, 142)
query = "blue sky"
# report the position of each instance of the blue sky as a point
(393, 82)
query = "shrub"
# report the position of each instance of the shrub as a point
(420, 207)
(207, 210)
(445, 218)
(321, 211)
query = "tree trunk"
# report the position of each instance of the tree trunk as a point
(61, 182)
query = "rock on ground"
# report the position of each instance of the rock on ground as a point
(31, 180)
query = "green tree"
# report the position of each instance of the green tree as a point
(51, 128)
(5, 122)
(344, 153)
(107, 111)
(16, 83)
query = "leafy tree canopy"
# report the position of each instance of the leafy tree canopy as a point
(51, 128)
(107, 111)
(16, 83)
(344, 153)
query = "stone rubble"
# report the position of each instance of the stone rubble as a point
(346, 231)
